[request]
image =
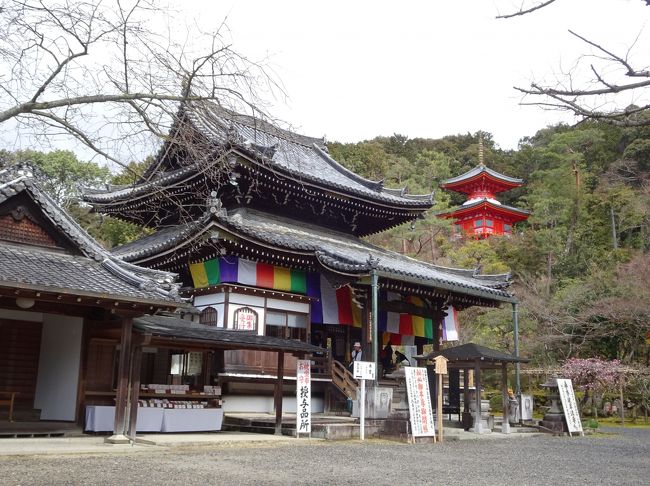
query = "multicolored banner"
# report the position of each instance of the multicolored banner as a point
(333, 306)
(330, 305)
(245, 272)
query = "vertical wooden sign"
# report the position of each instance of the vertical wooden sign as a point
(303, 397)
(441, 369)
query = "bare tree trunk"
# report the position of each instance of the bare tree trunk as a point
(613, 219)
(549, 272)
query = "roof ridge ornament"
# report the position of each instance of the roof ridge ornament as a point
(373, 263)
(215, 206)
(234, 137)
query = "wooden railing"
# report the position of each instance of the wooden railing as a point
(343, 380)
(320, 366)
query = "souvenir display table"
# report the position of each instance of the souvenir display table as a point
(100, 418)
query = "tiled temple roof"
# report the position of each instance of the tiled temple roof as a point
(92, 271)
(487, 202)
(471, 352)
(289, 154)
(336, 251)
(166, 326)
(481, 169)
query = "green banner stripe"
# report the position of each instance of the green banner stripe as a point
(212, 271)
(298, 281)
(428, 328)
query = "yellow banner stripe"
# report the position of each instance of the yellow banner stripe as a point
(199, 276)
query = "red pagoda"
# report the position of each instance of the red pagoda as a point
(482, 215)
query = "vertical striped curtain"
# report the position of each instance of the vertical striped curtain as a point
(332, 306)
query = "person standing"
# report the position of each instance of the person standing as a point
(386, 358)
(357, 355)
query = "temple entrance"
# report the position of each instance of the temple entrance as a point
(40, 356)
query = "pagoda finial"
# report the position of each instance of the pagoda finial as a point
(480, 149)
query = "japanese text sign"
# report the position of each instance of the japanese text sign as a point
(364, 370)
(420, 411)
(303, 397)
(571, 411)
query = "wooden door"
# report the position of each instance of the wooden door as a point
(20, 348)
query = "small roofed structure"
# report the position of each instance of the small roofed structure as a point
(474, 356)
(466, 355)
(166, 331)
(482, 215)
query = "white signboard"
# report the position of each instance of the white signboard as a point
(417, 387)
(246, 320)
(303, 397)
(364, 370)
(571, 411)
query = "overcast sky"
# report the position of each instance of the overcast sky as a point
(357, 69)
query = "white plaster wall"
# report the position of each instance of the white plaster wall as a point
(245, 299)
(58, 367)
(209, 299)
(288, 305)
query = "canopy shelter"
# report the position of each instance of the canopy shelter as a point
(474, 356)
(175, 332)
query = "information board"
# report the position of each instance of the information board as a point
(364, 370)
(570, 406)
(303, 397)
(420, 411)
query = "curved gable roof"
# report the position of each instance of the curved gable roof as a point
(482, 170)
(336, 251)
(92, 270)
(302, 158)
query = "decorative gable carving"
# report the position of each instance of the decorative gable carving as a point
(17, 227)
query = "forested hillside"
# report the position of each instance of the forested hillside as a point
(580, 264)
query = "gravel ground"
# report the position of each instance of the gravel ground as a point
(620, 456)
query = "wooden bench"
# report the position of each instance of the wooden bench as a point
(7, 398)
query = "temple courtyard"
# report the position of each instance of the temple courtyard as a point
(612, 456)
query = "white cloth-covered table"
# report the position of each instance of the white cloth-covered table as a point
(149, 419)
(192, 419)
(100, 418)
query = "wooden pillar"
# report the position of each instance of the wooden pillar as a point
(437, 330)
(477, 383)
(505, 427)
(136, 362)
(119, 426)
(466, 390)
(278, 394)
(206, 368)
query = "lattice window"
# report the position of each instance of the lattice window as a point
(209, 316)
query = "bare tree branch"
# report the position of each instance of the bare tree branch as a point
(599, 98)
(103, 72)
(523, 11)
